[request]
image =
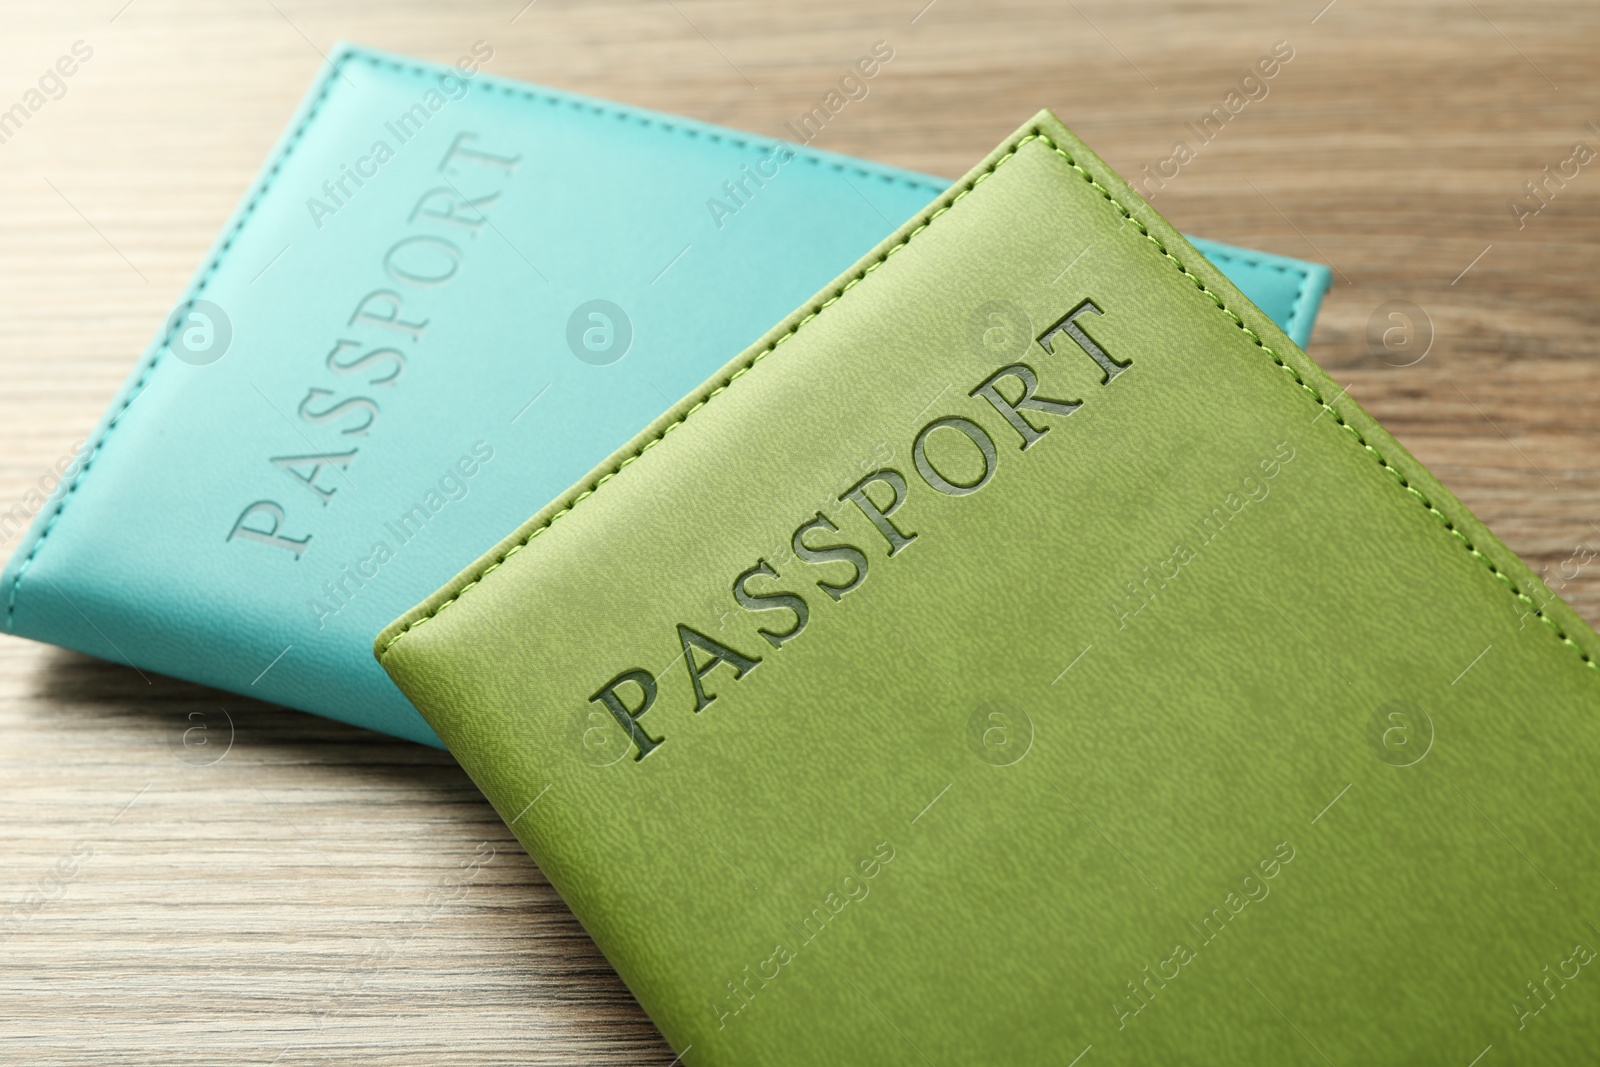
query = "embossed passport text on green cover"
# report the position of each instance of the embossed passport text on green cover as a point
(1107, 690)
(447, 296)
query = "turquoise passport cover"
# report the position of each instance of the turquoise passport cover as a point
(446, 297)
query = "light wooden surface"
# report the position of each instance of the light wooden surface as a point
(312, 896)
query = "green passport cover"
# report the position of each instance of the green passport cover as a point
(1025, 655)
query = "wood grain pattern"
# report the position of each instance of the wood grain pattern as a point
(312, 896)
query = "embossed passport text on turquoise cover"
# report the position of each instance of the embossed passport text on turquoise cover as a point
(446, 297)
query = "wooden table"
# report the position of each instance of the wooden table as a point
(313, 896)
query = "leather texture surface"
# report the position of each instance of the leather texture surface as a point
(494, 213)
(1196, 723)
